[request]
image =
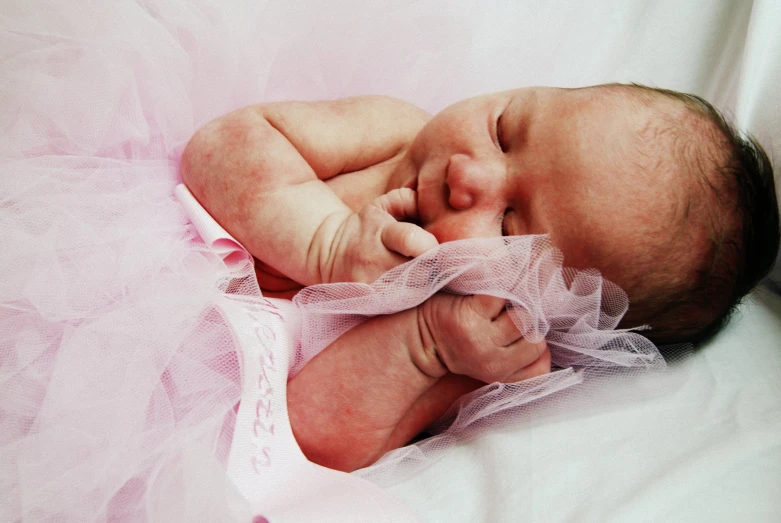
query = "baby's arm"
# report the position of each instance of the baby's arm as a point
(384, 381)
(260, 172)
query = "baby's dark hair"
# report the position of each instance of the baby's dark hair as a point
(743, 241)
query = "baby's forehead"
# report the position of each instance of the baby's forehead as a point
(645, 105)
(636, 170)
(663, 134)
(624, 132)
(672, 164)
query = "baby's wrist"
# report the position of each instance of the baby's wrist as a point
(423, 348)
(322, 256)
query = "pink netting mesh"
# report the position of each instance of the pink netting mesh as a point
(576, 311)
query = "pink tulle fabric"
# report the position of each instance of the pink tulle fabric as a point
(119, 372)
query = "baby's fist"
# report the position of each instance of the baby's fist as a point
(402, 237)
(475, 336)
(373, 241)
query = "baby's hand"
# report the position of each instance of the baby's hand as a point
(474, 336)
(373, 241)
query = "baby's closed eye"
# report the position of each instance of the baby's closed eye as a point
(500, 138)
(510, 226)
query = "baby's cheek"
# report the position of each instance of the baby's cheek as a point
(440, 232)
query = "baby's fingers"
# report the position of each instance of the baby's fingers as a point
(488, 307)
(407, 239)
(402, 203)
(509, 364)
(539, 367)
(404, 238)
(502, 331)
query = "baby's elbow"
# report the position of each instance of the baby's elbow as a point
(198, 157)
(220, 153)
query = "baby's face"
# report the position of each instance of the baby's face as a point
(579, 165)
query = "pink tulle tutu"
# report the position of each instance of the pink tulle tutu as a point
(123, 352)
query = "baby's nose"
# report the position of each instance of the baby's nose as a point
(472, 181)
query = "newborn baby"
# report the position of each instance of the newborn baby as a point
(651, 187)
